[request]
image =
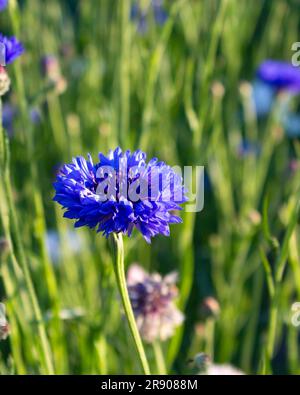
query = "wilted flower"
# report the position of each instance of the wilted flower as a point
(280, 75)
(4, 81)
(3, 4)
(4, 327)
(13, 48)
(120, 192)
(152, 297)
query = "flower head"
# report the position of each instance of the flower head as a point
(152, 298)
(13, 48)
(139, 13)
(3, 4)
(4, 327)
(280, 75)
(4, 81)
(120, 192)
(204, 365)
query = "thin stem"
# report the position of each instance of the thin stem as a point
(121, 281)
(159, 357)
(15, 231)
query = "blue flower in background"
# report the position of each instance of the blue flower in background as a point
(3, 4)
(121, 192)
(13, 48)
(280, 75)
(263, 96)
(291, 124)
(247, 148)
(8, 114)
(139, 14)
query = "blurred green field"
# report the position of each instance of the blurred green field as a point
(181, 90)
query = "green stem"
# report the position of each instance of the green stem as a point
(159, 357)
(121, 281)
(15, 231)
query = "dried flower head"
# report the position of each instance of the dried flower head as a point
(4, 327)
(4, 81)
(152, 298)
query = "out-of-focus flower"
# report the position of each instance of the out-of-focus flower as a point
(263, 96)
(3, 4)
(152, 297)
(294, 166)
(218, 89)
(280, 75)
(52, 72)
(203, 364)
(121, 192)
(223, 370)
(247, 148)
(291, 124)
(139, 13)
(4, 81)
(35, 116)
(4, 326)
(8, 113)
(72, 240)
(209, 308)
(13, 48)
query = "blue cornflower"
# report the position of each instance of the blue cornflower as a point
(121, 192)
(3, 4)
(280, 75)
(139, 14)
(13, 48)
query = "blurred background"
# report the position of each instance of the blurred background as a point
(177, 79)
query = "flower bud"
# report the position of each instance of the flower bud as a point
(209, 308)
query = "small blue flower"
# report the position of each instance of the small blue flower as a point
(8, 114)
(140, 14)
(291, 124)
(280, 75)
(3, 4)
(121, 192)
(247, 148)
(13, 48)
(263, 97)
